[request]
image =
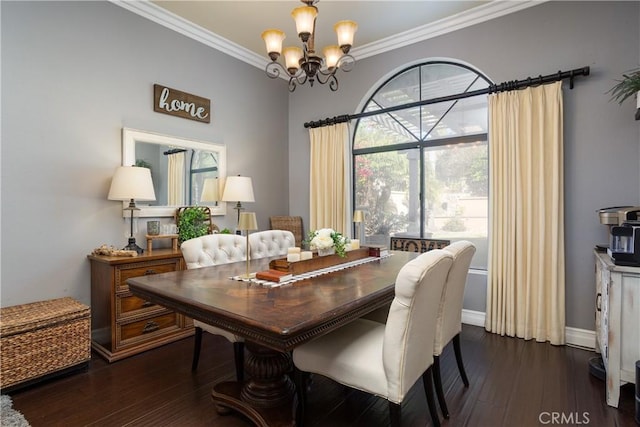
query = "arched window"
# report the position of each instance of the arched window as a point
(422, 171)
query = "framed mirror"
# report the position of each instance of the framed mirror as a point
(179, 167)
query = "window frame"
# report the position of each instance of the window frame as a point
(421, 143)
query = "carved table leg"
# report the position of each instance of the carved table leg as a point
(268, 396)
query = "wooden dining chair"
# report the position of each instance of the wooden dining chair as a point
(385, 359)
(209, 250)
(449, 323)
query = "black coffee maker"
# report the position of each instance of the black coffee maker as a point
(624, 244)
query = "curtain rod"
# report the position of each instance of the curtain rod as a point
(174, 151)
(501, 87)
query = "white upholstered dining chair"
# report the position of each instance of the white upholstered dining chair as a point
(270, 243)
(449, 323)
(215, 249)
(205, 251)
(385, 359)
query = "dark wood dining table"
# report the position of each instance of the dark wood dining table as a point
(272, 320)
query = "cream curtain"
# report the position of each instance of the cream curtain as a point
(525, 291)
(329, 178)
(176, 179)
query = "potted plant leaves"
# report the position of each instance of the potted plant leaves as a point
(193, 222)
(627, 87)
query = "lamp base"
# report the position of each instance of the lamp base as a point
(132, 246)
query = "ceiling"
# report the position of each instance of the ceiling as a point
(235, 26)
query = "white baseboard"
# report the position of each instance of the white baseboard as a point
(580, 337)
(475, 318)
(574, 336)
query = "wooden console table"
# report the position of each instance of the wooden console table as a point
(123, 324)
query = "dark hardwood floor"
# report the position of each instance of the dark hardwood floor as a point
(512, 383)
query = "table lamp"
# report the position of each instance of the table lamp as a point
(210, 191)
(247, 222)
(238, 189)
(132, 183)
(358, 217)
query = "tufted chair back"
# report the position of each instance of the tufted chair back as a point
(205, 251)
(270, 243)
(214, 249)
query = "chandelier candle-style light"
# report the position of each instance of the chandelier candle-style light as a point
(304, 65)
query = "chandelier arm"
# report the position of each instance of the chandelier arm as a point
(274, 69)
(330, 78)
(292, 84)
(333, 83)
(346, 63)
(327, 74)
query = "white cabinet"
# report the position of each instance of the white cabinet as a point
(617, 322)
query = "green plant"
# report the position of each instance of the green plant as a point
(192, 223)
(143, 164)
(225, 231)
(628, 86)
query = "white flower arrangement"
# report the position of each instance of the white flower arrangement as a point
(327, 238)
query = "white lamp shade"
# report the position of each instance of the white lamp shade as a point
(238, 189)
(210, 190)
(247, 221)
(132, 182)
(358, 216)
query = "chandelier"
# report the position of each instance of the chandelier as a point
(303, 64)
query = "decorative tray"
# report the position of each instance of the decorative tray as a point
(317, 262)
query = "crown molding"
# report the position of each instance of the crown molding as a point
(161, 16)
(477, 15)
(483, 13)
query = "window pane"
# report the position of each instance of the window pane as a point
(462, 117)
(456, 203)
(204, 160)
(403, 89)
(382, 130)
(444, 79)
(386, 194)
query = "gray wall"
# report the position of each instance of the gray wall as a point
(602, 141)
(74, 74)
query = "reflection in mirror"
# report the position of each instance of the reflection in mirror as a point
(179, 168)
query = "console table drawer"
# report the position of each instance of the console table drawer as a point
(122, 274)
(129, 305)
(146, 329)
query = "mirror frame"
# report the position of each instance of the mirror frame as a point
(129, 139)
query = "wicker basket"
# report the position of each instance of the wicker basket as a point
(43, 338)
(289, 223)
